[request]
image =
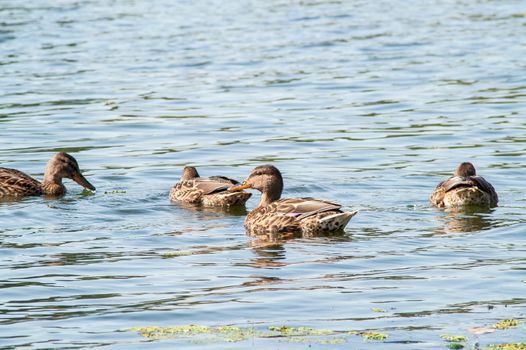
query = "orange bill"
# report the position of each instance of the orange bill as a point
(81, 180)
(240, 187)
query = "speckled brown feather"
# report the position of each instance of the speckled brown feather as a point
(14, 183)
(297, 215)
(208, 192)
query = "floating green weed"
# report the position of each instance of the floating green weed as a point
(176, 253)
(210, 334)
(299, 331)
(371, 336)
(377, 309)
(317, 340)
(455, 346)
(507, 346)
(453, 338)
(155, 332)
(114, 191)
(506, 324)
(206, 334)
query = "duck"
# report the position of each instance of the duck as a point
(15, 183)
(464, 188)
(207, 191)
(297, 216)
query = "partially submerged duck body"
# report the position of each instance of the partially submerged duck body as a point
(297, 215)
(289, 215)
(14, 183)
(464, 188)
(207, 191)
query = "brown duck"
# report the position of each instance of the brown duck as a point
(464, 188)
(14, 183)
(288, 215)
(208, 191)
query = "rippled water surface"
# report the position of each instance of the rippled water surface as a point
(367, 103)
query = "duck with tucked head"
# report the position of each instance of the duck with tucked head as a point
(208, 191)
(464, 188)
(14, 183)
(288, 215)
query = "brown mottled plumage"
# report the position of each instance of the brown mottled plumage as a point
(464, 188)
(289, 215)
(14, 183)
(208, 191)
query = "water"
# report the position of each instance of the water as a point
(367, 103)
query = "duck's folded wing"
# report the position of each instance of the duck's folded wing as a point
(209, 186)
(456, 181)
(224, 179)
(485, 186)
(303, 207)
(14, 182)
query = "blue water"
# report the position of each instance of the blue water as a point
(367, 103)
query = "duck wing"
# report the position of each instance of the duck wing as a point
(16, 183)
(302, 207)
(486, 187)
(476, 181)
(457, 181)
(224, 179)
(208, 185)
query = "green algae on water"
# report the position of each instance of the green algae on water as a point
(299, 331)
(453, 338)
(196, 332)
(374, 336)
(317, 340)
(377, 309)
(506, 324)
(507, 346)
(206, 334)
(176, 253)
(371, 336)
(305, 335)
(115, 192)
(155, 332)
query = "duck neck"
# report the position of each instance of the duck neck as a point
(52, 184)
(267, 198)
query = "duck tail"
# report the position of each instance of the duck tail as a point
(339, 220)
(231, 198)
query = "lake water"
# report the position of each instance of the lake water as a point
(367, 103)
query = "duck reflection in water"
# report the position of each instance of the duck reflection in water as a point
(464, 220)
(236, 210)
(270, 247)
(270, 238)
(267, 254)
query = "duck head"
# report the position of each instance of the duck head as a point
(63, 165)
(266, 179)
(465, 169)
(189, 173)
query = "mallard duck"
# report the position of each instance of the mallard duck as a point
(464, 188)
(14, 183)
(288, 215)
(208, 191)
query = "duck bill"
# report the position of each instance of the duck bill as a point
(81, 180)
(239, 188)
